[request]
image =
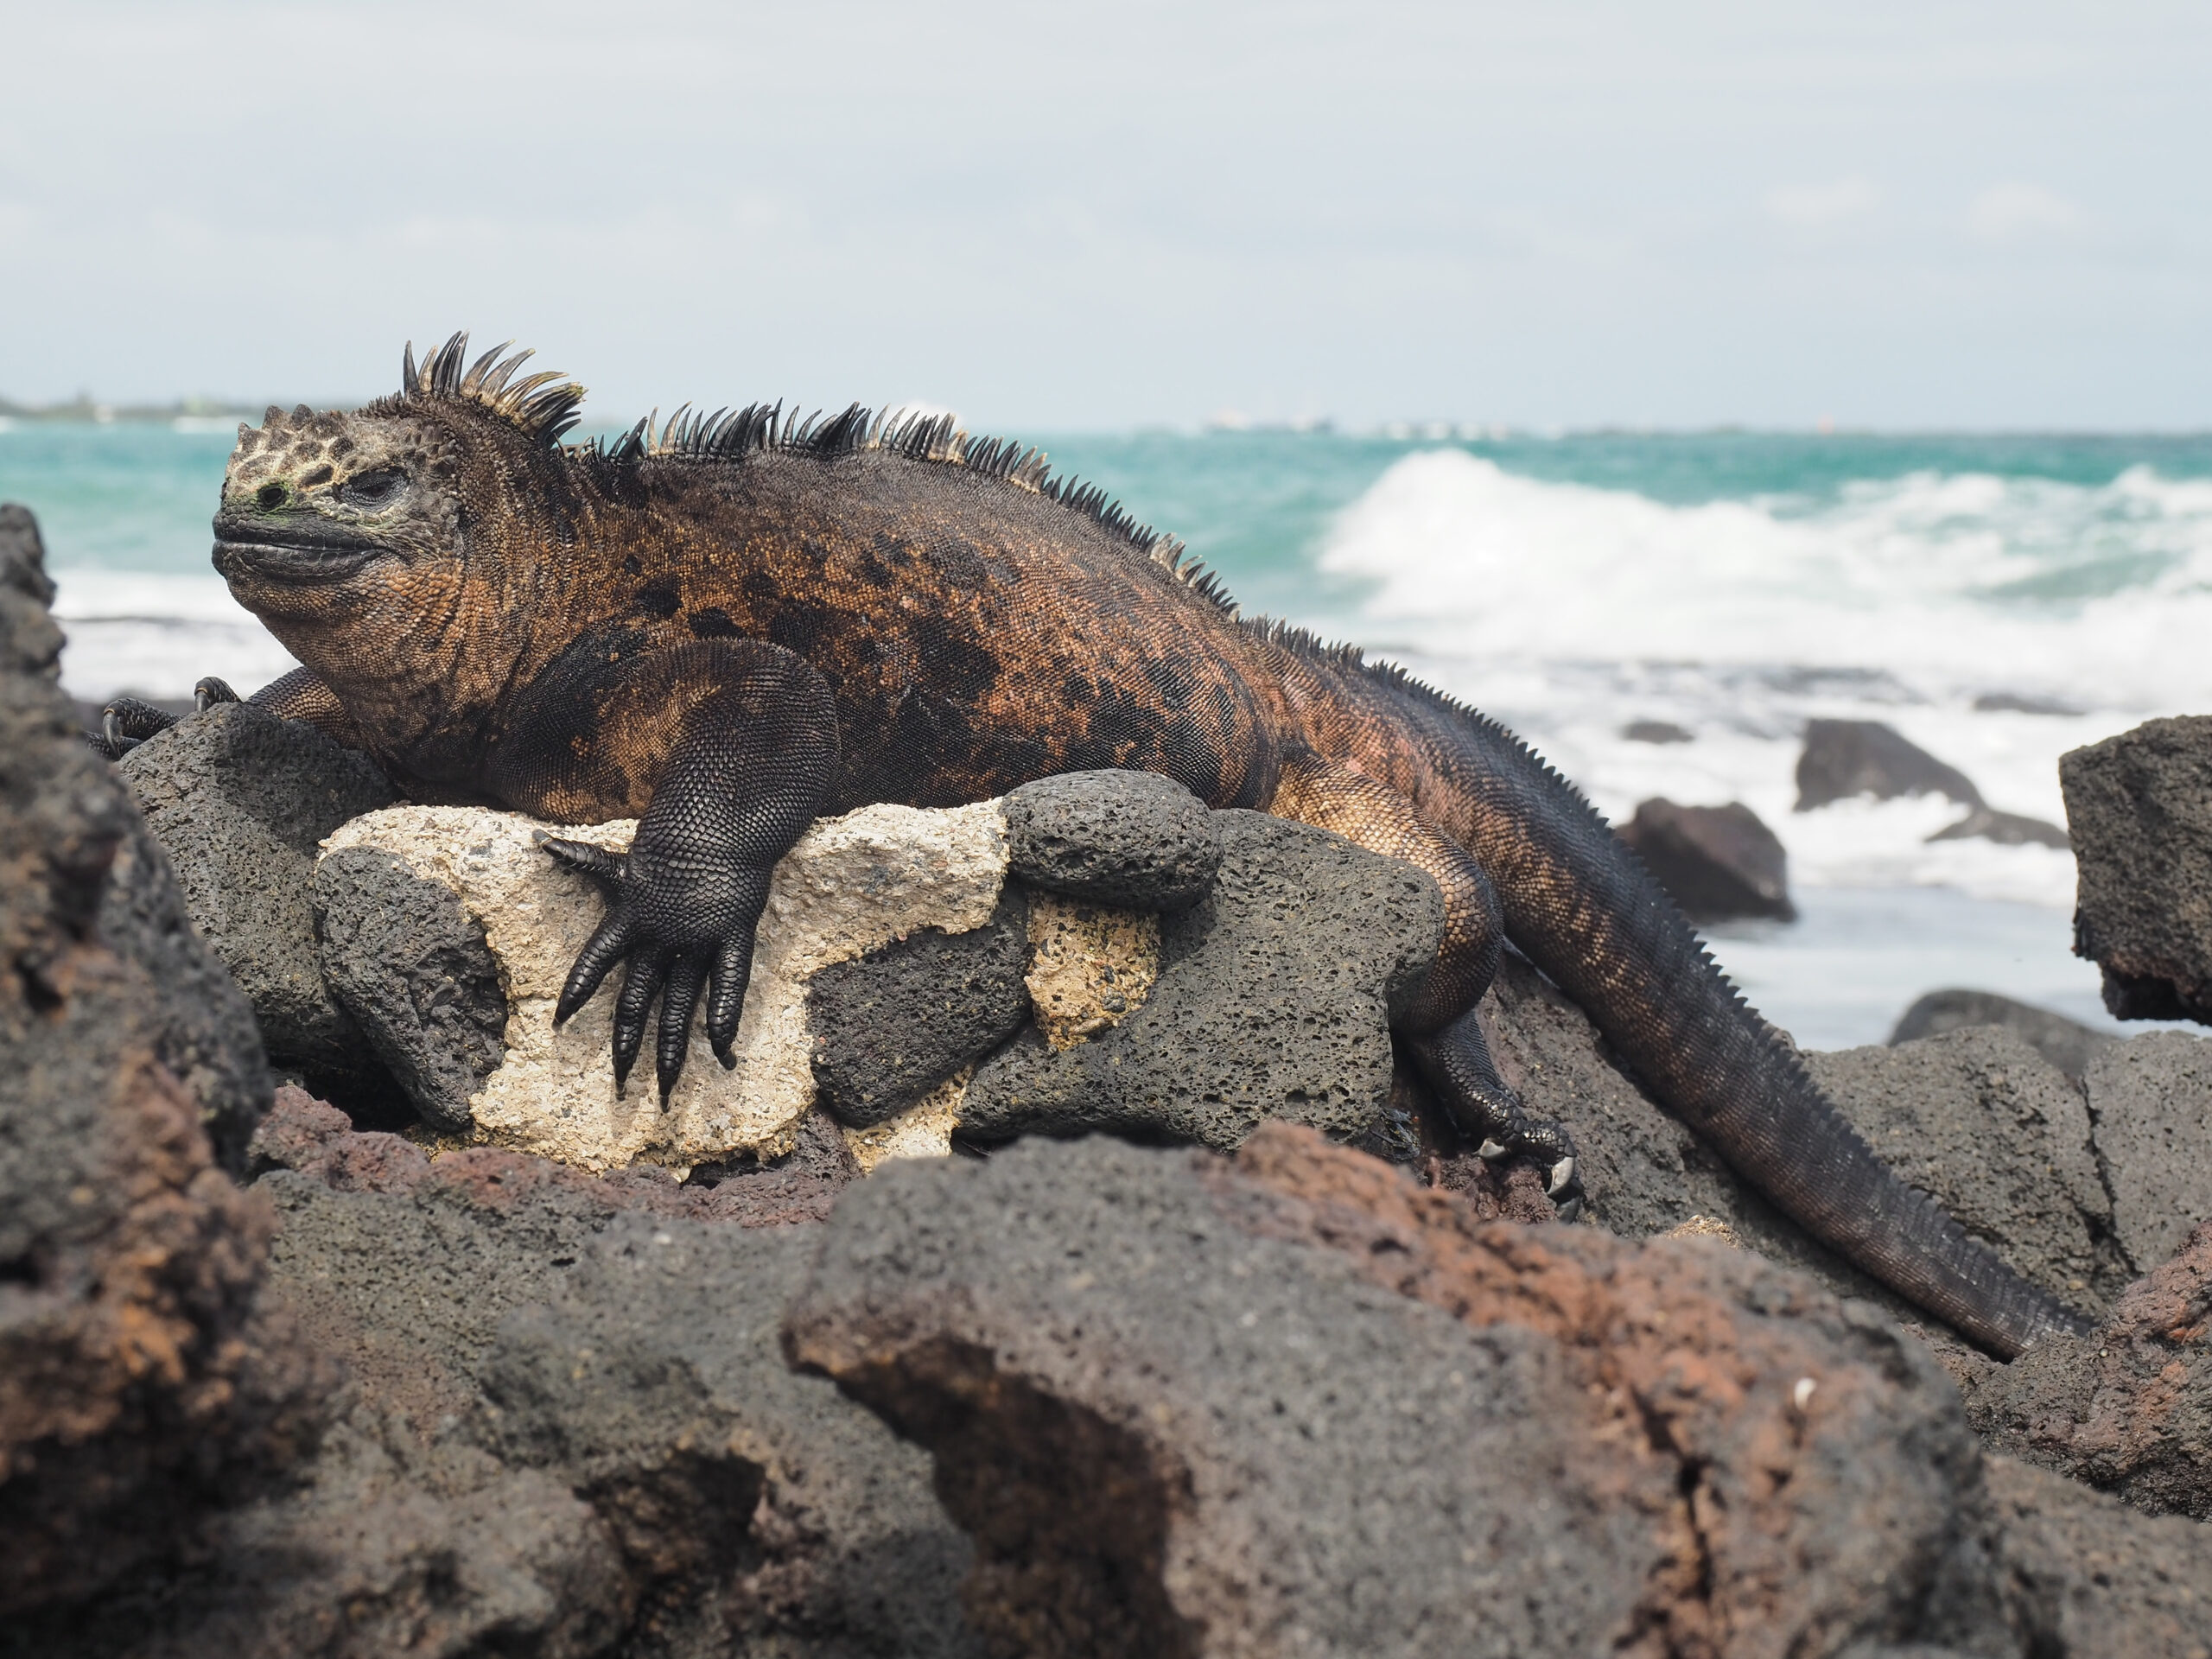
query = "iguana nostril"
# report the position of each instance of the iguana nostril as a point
(270, 496)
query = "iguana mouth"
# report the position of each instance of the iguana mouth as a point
(305, 550)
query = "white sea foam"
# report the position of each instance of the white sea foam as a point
(1569, 611)
(156, 632)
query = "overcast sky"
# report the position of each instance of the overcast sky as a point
(1893, 214)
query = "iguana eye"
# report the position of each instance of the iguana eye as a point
(372, 489)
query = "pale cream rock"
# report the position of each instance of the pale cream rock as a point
(1090, 965)
(1707, 1227)
(850, 885)
(923, 1130)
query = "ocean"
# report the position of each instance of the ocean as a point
(1998, 598)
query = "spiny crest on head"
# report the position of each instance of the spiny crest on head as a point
(541, 406)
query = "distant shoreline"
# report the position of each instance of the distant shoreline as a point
(89, 410)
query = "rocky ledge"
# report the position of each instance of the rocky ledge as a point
(275, 1379)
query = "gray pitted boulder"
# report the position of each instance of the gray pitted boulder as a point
(1133, 839)
(411, 966)
(1298, 1405)
(143, 1376)
(2067, 1044)
(2151, 1098)
(1274, 999)
(891, 1026)
(2140, 806)
(2001, 1136)
(238, 800)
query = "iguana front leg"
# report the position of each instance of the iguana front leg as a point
(127, 721)
(1441, 1024)
(733, 745)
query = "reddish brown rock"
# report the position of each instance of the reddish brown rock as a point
(1300, 1405)
(143, 1376)
(318, 1140)
(2128, 1409)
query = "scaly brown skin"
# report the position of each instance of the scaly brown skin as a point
(745, 624)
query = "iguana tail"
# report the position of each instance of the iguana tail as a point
(1581, 906)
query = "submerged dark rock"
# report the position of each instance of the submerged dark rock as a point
(1844, 758)
(1717, 862)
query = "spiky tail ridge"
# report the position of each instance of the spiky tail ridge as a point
(1582, 906)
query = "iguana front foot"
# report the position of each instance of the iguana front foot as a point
(128, 722)
(125, 723)
(683, 928)
(1488, 1112)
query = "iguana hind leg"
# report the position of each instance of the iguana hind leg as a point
(1440, 1024)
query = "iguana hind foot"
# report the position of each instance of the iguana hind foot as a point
(1457, 1063)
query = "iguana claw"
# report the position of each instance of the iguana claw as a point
(676, 949)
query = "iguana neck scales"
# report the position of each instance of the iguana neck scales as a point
(732, 626)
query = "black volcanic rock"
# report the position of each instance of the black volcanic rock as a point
(1133, 839)
(239, 800)
(2139, 808)
(144, 1376)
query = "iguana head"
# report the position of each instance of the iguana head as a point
(389, 546)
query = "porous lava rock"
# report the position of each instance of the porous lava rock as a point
(2127, 1408)
(1133, 839)
(1298, 1405)
(2067, 1044)
(568, 1430)
(1273, 1001)
(143, 1373)
(2151, 1098)
(239, 800)
(2084, 1574)
(2139, 808)
(892, 1025)
(1716, 862)
(2002, 1137)
(411, 967)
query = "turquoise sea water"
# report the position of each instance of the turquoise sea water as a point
(1734, 584)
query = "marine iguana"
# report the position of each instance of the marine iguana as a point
(739, 622)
